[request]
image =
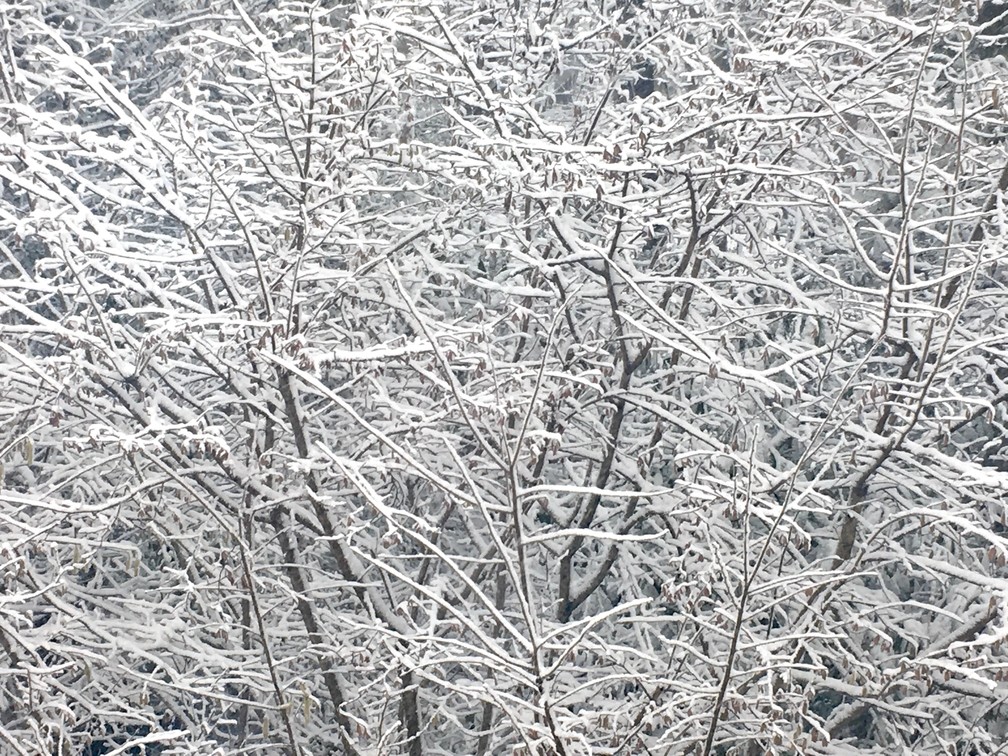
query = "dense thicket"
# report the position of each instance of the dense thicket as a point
(491, 377)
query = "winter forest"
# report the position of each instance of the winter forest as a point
(547, 378)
